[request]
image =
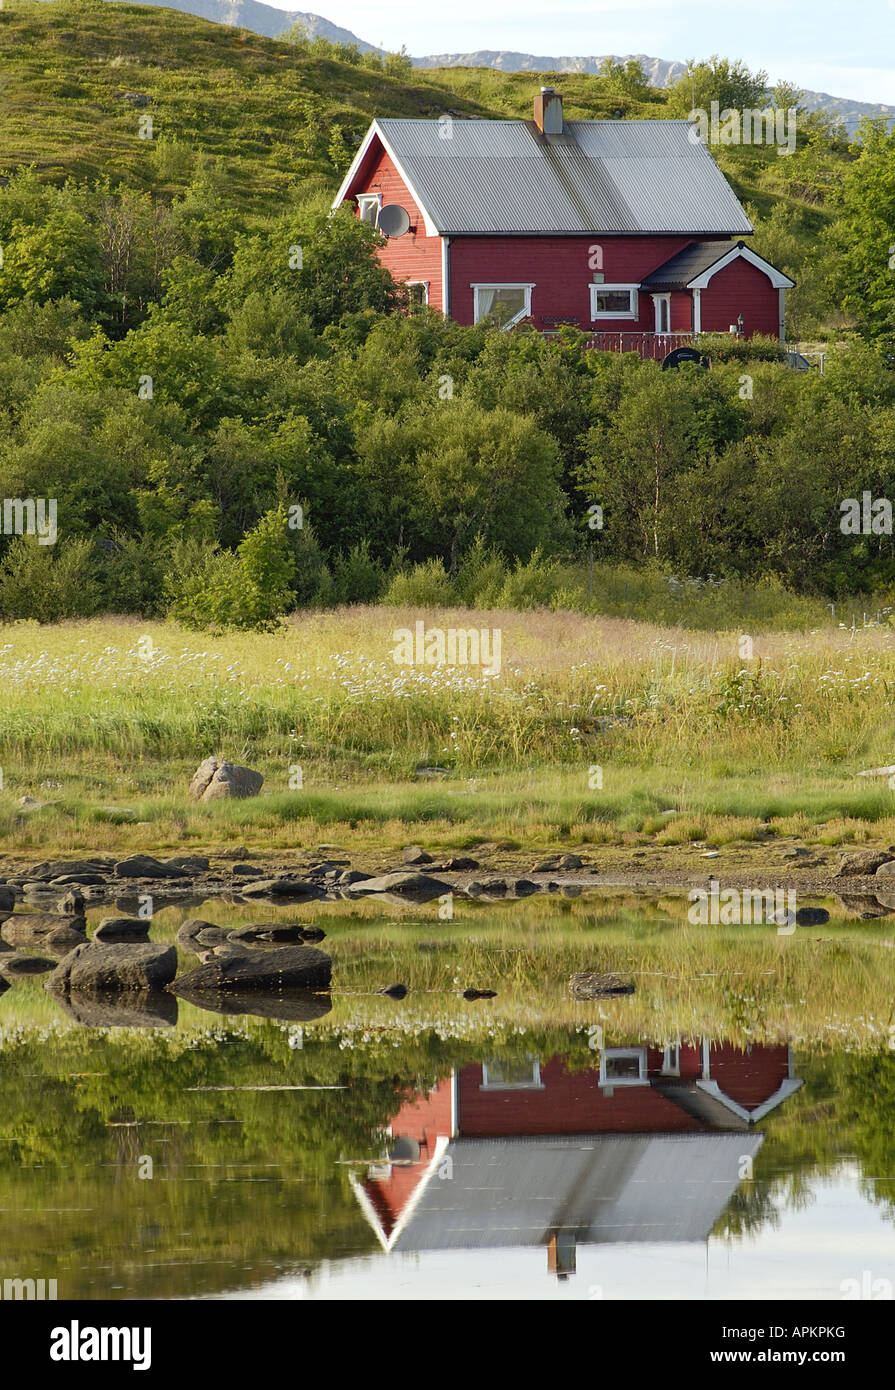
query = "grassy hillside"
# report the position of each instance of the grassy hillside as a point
(250, 103)
(262, 109)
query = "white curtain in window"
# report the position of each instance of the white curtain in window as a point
(486, 302)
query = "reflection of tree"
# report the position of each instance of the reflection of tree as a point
(869, 1093)
(841, 1115)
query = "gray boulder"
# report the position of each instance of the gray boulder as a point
(7, 898)
(99, 968)
(413, 886)
(215, 779)
(413, 854)
(145, 866)
(59, 868)
(281, 967)
(122, 929)
(863, 862)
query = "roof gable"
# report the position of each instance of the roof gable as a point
(598, 177)
(693, 268)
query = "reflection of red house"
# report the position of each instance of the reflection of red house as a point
(649, 1143)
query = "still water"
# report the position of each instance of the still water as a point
(725, 1131)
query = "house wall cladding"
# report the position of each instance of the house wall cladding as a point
(559, 268)
(740, 288)
(414, 256)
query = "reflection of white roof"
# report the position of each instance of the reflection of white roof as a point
(606, 1189)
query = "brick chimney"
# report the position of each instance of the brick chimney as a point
(548, 111)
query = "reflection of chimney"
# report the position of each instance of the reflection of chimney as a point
(548, 111)
(561, 1254)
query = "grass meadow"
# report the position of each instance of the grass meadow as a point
(593, 730)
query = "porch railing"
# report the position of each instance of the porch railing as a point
(655, 345)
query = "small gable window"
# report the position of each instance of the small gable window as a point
(509, 1074)
(623, 1066)
(613, 301)
(368, 205)
(502, 305)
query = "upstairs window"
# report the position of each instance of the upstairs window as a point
(613, 301)
(368, 205)
(502, 305)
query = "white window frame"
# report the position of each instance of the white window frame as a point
(525, 311)
(671, 1060)
(632, 312)
(641, 1079)
(535, 1084)
(425, 285)
(658, 300)
(365, 200)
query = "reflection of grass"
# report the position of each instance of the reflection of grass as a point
(674, 719)
(831, 985)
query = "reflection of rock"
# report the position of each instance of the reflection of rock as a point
(17, 964)
(155, 1010)
(279, 888)
(7, 898)
(50, 929)
(122, 929)
(100, 968)
(197, 935)
(408, 884)
(298, 1006)
(812, 916)
(589, 984)
(4, 985)
(265, 932)
(279, 967)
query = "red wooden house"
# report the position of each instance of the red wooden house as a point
(626, 229)
(649, 1145)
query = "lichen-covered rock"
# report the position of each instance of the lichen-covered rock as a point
(119, 929)
(99, 968)
(215, 778)
(281, 967)
(862, 862)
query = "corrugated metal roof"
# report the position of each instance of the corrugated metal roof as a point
(515, 1192)
(677, 273)
(597, 177)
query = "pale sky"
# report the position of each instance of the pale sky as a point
(846, 47)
